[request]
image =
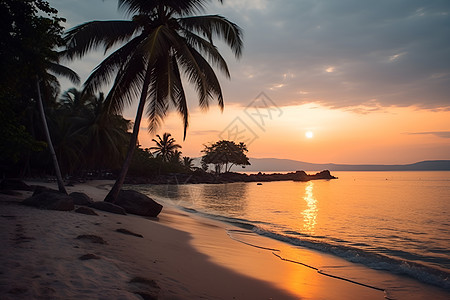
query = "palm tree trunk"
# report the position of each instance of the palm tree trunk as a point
(59, 179)
(114, 192)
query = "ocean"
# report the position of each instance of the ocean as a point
(394, 222)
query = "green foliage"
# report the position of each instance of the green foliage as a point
(161, 42)
(166, 148)
(225, 154)
(15, 140)
(29, 32)
(143, 163)
(86, 135)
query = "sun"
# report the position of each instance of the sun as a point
(309, 134)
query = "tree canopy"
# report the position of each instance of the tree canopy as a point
(225, 154)
(163, 43)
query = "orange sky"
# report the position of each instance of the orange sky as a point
(390, 135)
(371, 80)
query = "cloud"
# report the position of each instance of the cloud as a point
(347, 52)
(204, 132)
(343, 53)
(441, 134)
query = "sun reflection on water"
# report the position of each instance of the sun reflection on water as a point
(310, 213)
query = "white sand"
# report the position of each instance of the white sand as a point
(180, 256)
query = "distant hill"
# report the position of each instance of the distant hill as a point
(281, 165)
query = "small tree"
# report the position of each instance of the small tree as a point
(225, 153)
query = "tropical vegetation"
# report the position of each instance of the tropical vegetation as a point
(162, 44)
(225, 154)
(82, 132)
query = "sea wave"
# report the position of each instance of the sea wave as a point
(338, 248)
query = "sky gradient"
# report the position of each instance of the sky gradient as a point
(370, 79)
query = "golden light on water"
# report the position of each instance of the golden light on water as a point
(310, 213)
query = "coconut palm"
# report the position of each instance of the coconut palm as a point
(162, 42)
(97, 137)
(165, 146)
(45, 78)
(188, 163)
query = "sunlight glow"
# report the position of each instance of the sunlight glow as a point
(309, 134)
(310, 213)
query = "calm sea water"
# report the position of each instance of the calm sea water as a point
(398, 222)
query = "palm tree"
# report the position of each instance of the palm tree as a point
(51, 64)
(188, 163)
(165, 146)
(106, 133)
(161, 42)
(75, 102)
(88, 136)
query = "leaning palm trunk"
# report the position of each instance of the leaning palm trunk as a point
(162, 42)
(59, 179)
(114, 192)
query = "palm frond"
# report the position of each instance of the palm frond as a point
(201, 75)
(97, 34)
(63, 71)
(103, 73)
(185, 7)
(211, 26)
(209, 49)
(178, 96)
(157, 105)
(127, 84)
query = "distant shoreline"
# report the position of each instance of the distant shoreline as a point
(229, 177)
(287, 165)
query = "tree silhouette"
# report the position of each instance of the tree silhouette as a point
(162, 41)
(225, 153)
(165, 147)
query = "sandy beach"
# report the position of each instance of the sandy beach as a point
(67, 255)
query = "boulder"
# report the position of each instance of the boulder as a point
(51, 201)
(109, 207)
(81, 198)
(137, 203)
(85, 211)
(38, 189)
(14, 184)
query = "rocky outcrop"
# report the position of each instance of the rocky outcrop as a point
(138, 204)
(109, 207)
(81, 199)
(51, 201)
(203, 177)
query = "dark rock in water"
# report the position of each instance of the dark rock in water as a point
(302, 176)
(323, 175)
(81, 198)
(38, 189)
(137, 203)
(85, 211)
(14, 184)
(51, 201)
(109, 207)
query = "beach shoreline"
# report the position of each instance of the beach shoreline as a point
(179, 256)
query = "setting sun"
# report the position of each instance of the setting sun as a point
(309, 134)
